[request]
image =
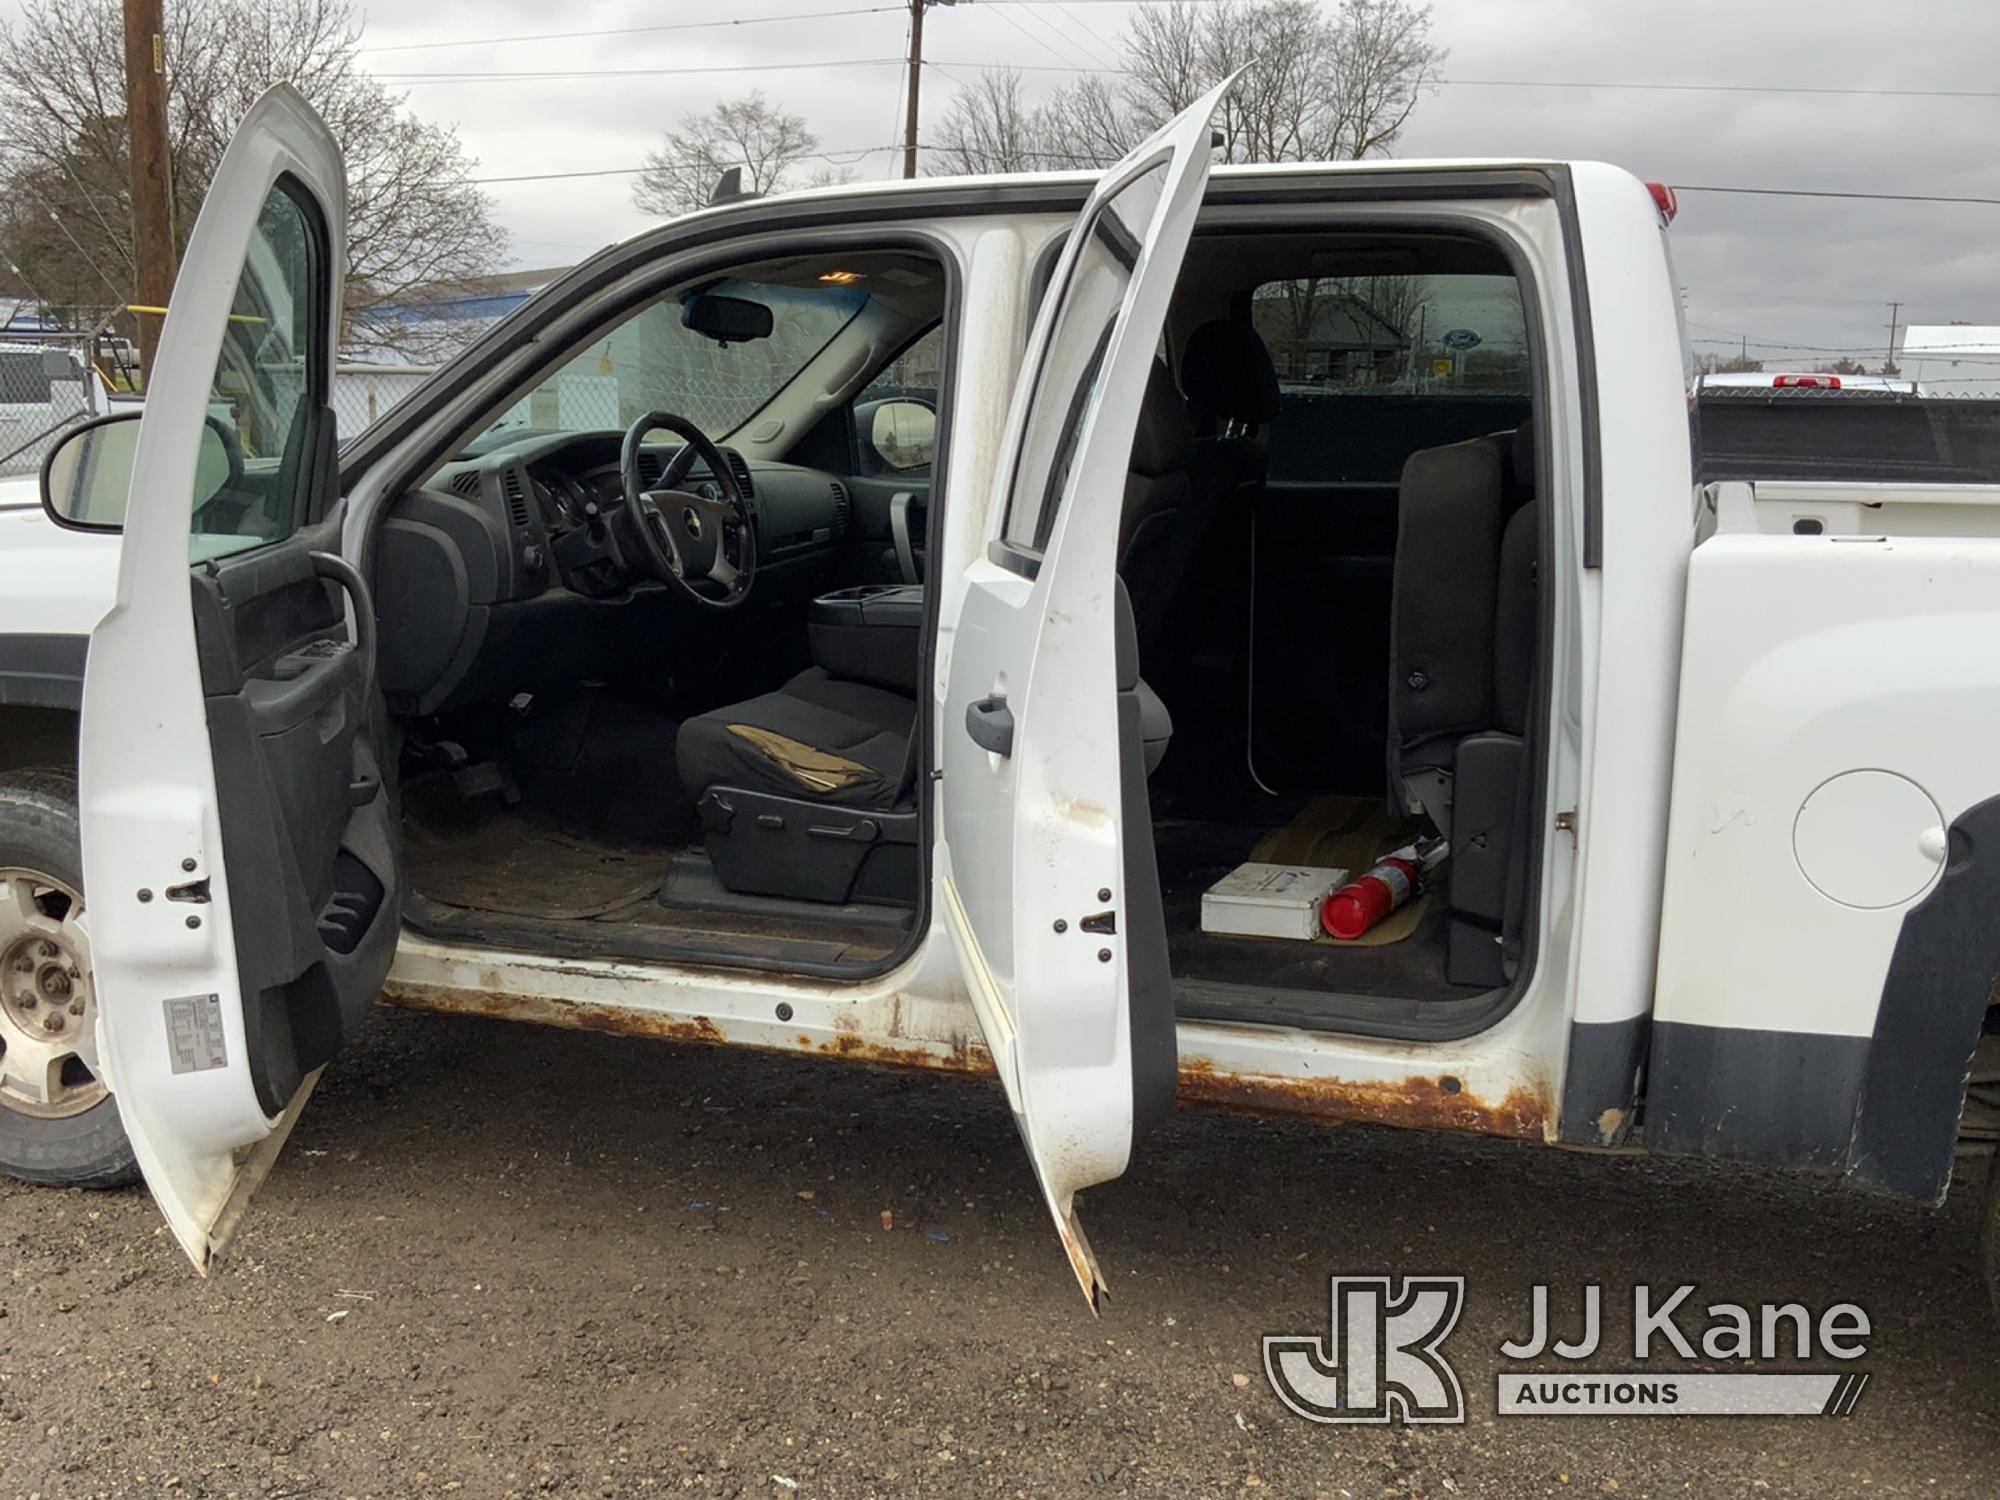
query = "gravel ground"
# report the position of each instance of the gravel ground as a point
(499, 1260)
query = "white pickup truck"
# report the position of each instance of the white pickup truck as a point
(868, 622)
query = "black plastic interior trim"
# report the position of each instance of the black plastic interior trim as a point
(1339, 1013)
(627, 942)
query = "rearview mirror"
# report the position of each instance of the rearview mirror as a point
(727, 320)
(88, 473)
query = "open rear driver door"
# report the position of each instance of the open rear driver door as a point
(1049, 886)
(241, 865)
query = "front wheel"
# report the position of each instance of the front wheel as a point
(58, 1123)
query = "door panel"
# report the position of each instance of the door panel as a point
(237, 831)
(1048, 886)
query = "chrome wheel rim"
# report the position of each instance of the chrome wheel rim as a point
(48, 1007)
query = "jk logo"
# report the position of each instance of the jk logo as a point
(1381, 1361)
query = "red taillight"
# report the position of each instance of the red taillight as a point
(1806, 382)
(1664, 200)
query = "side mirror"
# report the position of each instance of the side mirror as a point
(901, 433)
(727, 320)
(88, 472)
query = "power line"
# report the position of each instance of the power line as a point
(1764, 192)
(1721, 88)
(1566, 83)
(853, 153)
(1736, 339)
(564, 36)
(539, 75)
(1063, 56)
(1076, 20)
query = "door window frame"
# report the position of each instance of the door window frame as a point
(307, 493)
(1052, 290)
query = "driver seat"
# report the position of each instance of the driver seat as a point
(808, 792)
(819, 737)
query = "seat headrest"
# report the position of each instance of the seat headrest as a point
(1521, 456)
(1227, 373)
(1164, 441)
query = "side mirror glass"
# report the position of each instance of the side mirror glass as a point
(903, 434)
(88, 473)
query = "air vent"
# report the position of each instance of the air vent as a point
(651, 467)
(517, 497)
(740, 468)
(842, 508)
(464, 482)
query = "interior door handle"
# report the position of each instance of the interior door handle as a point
(990, 722)
(339, 570)
(899, 533)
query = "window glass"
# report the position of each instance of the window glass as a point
(895, 415)
(915, 372)
(653, 362)
(266, 385)
(1068, 383)
(1372, 367)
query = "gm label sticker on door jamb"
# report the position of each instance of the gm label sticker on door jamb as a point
(194, 1033)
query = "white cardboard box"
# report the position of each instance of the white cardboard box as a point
(1280, 901)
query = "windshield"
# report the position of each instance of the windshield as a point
(652, 362)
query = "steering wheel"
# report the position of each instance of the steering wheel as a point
(706, 546)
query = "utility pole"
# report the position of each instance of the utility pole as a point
(152, 176)
(1895, 311)
(917, 9)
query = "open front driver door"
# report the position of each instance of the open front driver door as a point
(1049, 887)
(241, 863)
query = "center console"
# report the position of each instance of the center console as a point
(871, 634)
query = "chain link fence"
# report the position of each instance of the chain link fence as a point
(44, 391)
(363, 394)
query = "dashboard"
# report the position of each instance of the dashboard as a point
(519, 549)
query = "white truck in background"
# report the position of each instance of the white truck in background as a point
(1715, 764)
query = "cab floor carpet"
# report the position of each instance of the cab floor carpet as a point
(491, 872)
(486, 857)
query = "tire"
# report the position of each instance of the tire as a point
(79, 1146)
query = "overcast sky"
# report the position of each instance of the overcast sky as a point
(1803, 271)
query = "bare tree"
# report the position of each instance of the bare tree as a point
(989, 128)
(762, 138)
(418, 228)
(1321, 84)
(1084, 124)
(1383, 60)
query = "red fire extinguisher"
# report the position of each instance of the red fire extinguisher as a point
(1396, 877)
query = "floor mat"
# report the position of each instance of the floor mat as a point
(1337, 831)
(487, 858)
